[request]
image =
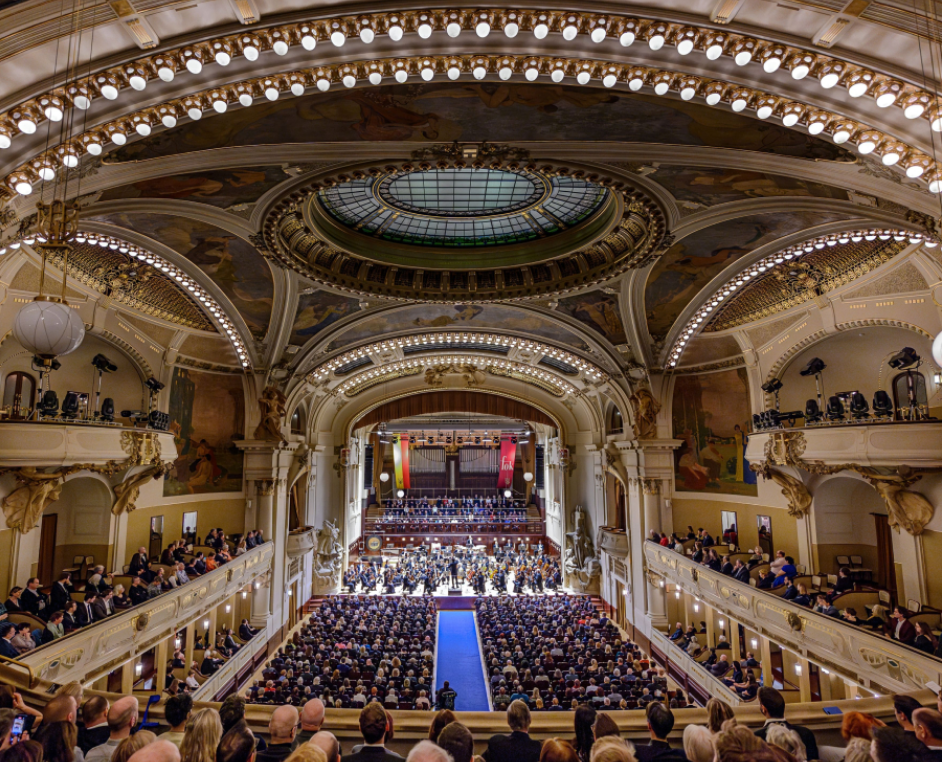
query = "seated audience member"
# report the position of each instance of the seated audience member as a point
(245, 630)
(94, 730)
(765, 580)
(14, 602)
(928, 727)
(516, 746)
(781, 737)
(374, 729)
(925, 639)
(54, 628)
(718, 712)
(22, 640)
(736, 743)
(176, 712)
(237, 745)
(7, 633)
(901, 628)
(457, 740)
(132, 744)
(772, 706)
(282, 728)
(895, 745)
(844, 583)
(698, 744)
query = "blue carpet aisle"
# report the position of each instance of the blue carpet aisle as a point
(459, 660)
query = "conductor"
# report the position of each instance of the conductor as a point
(453, 571)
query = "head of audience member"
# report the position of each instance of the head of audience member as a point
(202, 736)
(95, 712)
(518, 716)
(896, 745)
(605, 726)
(158, 751)
(74, 689)
(442, 718)
(903, 707)
(737, 743)
(122, 717)
(312, 715)
(928, 726)
(283, 725)
(584, 721)
(857, 750)
(58, 740)
(558, 750)
(177, 711)
(781, 737)
(457, 740)
(237, 745)
(427, 751)
(307, 753)
(62, 708)
(859, 725)
(373, 724)
(231, 711)
(717, 713)
(24, 751)
(698, 743)
(771, 703)
(132, 744)
(327, 742)
(660, 720)
(614, 749)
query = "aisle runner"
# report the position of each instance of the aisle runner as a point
(459, 660)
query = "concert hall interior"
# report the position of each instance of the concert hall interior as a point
(552, 382)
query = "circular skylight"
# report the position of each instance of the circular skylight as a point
(462, 207)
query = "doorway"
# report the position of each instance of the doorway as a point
(47, 548)
(765, 534)
(156, 537)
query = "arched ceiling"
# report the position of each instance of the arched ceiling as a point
(718, 187)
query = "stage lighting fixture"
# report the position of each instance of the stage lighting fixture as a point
(814, 366)
(158, 421)
(412, 439)
(49, 404)
(153, 384)
(770, 387)
(103, 364)
(107, 409)
(513, 440)
(70, 405)
(477, 440)
(905, 358)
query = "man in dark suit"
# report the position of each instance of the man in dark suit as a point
(245, 630)
(721, 667)
(61, 592)
(660, 724)
(726, 567)
(100, 608)
(901, 628)
(928, 725)
(137, 561)
(94, 730)
(86, 610)
(35, 602)
(772, 706)
(517, 746)
(373, 730)
(283, 727)
(741, 572)
(7, 631)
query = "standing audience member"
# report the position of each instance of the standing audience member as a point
(237, 745)
(312, 717)
(895, 745)
(94, 730)
(928, 726)
(783, 738)
(374, 729)
(558, 750)
(327, 742)
(177, 712)
(698, 743)
(202, 736)
(426, 751)
(121, 718)
(457, 740)
(282, 728)
(772, 706)
(584, 722)
(614, 749)
(660, 724)
(131, 745)
(158, 751)
(517, 746)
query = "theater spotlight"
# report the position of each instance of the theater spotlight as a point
(905, 358)
(103, 364)
(772, 387)
(813, 367)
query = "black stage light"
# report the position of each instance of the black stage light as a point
(153, 384)
(103, 364)
(905, 358)
(770, 387)
(70, 405)
(158, 421)
(814, 366)
(49, 404)
(107, 409)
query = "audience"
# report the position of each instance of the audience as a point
(660, 724)
(176, 713)
(772, 706)
(516, 746)
(374, 729)
(201, 737)
(122, 716)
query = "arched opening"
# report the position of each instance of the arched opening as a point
(297, 421)
(19, 392)
(616, 507)
(910, 395)
(76, 526)
(615, 422)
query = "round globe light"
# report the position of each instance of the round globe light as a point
(937, 350)
(528, 477)
(400, 493)
(384, 477)
(508, 494)
(48, 329)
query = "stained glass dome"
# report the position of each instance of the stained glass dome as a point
(462, 207)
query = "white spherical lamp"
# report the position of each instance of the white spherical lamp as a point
(48, 328)
(937, 350)
(400, 493)
(528, 477)
(508, 493)
(384, 477)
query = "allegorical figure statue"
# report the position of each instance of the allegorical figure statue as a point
(329, 550)
(272, 406)
(644, 409)
(579, 559)
(34, 492)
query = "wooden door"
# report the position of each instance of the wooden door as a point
(47, 549)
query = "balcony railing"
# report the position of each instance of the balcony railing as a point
(682, 664)
(93, 651)
(53, 443)
(885, 665)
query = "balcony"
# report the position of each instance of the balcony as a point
(54, 443)
(680, 666)
(613, 541)
(301, 541)
(887, 666)
(913, 443)
(93, 651)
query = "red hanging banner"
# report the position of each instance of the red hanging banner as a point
(404, 443)
(508, 452)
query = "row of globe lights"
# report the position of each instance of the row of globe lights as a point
(830, 72)
(792, 252)
(364, 377)
(160, 264)
(322, 371)
(791, 113)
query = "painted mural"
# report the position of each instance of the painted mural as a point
(456, 111)
(702, 187)
(694, 261)
(207, 416)
(599, 311)
(458, 317)
(710, 416)
(233, 263)
(222, 188)
(318, 310)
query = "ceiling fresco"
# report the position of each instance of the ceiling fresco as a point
(318, 310)
(701, 187)
(480, 112)
(599, 311)
(222, 188)
(694, 261)
(458, 317)
(233, 264)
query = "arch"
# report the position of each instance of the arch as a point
(488, 403)
(84, 524)
(843, 525)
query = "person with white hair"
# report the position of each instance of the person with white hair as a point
(157, 751)
(428, 751)
(698, 743)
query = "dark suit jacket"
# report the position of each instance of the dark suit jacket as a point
(907, 633)
(137, 563)
(742, 575)
(59, 597)
(245, 632)
(34, 602)
(89, 739)
(6, 649)
(367, 754)
(82, 613)
(659, 750)
(100, 609)
(806, 736)
(275, 752)
(512, 747)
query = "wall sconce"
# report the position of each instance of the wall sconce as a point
(696, 608)
(677, 593)
(825, 671)
(138, 669)
(722, 622)
(205, 624)
(177, 643)
(257, 585)
(244, 595)
(228, 608)
(290, 592)
(937, 377)
(754, 642)
(661, 582)
(798, 670)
